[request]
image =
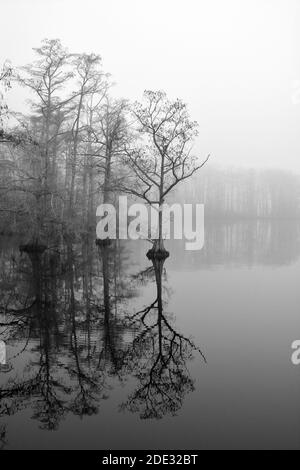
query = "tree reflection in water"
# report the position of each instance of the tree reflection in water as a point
(65, 314)
(159, 356)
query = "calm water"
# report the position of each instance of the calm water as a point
(107, 351)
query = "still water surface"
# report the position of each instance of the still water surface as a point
(106, 351)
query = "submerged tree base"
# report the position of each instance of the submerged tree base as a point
(33, 248)
(102, 243)
(157, 254)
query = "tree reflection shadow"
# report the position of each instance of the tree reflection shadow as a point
(159, 356)
(69, 313)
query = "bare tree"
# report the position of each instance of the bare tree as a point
(91, 81)
(160, 153)
(5, 79)
(45, 78)
(113, 127)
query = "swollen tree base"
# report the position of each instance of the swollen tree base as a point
(103, 243)
(157, 254)
(32, 248)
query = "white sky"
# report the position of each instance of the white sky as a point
(236, 63)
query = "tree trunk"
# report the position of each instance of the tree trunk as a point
(158, 251)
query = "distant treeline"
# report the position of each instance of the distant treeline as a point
(250, 242)
(244, 193)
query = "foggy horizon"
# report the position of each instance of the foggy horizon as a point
(236, 64)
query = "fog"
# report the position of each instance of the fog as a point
(236, 63)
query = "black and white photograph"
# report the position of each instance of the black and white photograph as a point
(149, 228)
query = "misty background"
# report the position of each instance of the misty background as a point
(236, 63)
